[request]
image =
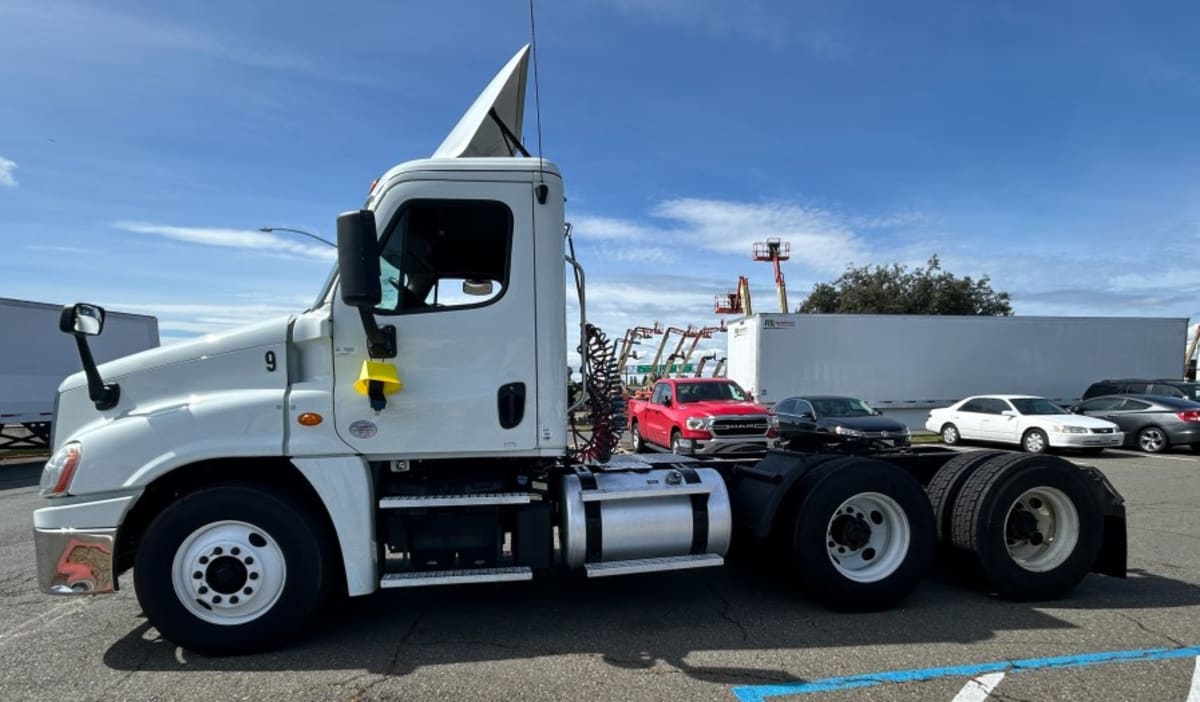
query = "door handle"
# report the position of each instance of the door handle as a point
(510, 404)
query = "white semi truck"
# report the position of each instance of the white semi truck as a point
(905, 365)
(410, 429)
(34, 360)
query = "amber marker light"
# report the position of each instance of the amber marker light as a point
(309, 419)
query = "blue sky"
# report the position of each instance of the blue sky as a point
(1052, 146)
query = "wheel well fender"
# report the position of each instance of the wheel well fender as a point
(762, 494)
(269, 471)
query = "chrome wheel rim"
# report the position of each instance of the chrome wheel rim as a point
(1152, 440)
(1035, 442)
(868, 537)
(1041, 529)
(228, 572)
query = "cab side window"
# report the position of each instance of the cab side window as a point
(445, 254)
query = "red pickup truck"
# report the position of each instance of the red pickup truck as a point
(701, 416)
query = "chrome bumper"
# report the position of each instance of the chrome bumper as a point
(724, 445)
(75, 562)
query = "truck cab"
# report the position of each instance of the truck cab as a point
(701, 417)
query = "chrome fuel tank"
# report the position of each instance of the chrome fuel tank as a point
(620, 516)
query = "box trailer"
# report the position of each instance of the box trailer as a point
(35, 357)
(905, 365)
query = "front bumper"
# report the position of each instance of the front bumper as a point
(723, 445)
(75, 561)
(1063, 440)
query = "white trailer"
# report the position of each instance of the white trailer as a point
(905, 365)
(35, 358)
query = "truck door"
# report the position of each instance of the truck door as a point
(458, 286)
(656, 423)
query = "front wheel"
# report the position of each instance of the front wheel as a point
(231, 569)
(1035, 441)
(950, 435)
(676, 442)
(864, 534)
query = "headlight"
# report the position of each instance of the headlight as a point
(1068, 429)
(773, 421)
(56, 476)
(905, 431)
(698, 423)
(847, 431)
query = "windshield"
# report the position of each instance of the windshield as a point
(841, 407)
(1191, 390)
(699, 392)
(1037, 405)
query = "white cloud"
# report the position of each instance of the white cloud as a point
(820, 239)
(6, 173)
(263, 242)
(186, 319)
(54, 248)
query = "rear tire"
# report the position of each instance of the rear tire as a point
(635, 438)
(1152, 440)
(947, 483)
(1028, 526)
(950, 435)
(231, 569)
(863, 535)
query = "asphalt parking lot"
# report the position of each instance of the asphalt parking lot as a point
(730, 634)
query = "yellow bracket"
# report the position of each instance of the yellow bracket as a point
(384, 373)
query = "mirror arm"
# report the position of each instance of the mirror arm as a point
(381, 340)
(105, 397)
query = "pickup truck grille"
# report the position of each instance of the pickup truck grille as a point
(740, 427)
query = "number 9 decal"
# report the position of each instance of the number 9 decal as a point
(270, 359)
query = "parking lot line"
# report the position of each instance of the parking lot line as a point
(757, 693)
(1194, 692)
(1142, 454)
(978, 689)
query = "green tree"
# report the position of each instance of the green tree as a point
(897, 290)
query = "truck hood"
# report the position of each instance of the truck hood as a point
(272, 331)
(718, 408)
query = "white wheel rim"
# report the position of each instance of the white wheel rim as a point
(1034, 443)
(867, 537)
(1056, 529)
(228, 572)
(949, 435)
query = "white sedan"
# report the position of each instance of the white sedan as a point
(1033, 422)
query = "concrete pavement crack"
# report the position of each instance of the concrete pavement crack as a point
(1148, 630)
(390, 670)
(723, 612)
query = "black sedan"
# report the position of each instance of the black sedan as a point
(818, 422)
(1153, 423)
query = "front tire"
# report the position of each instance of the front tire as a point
(231, 569)
(676, 438)
(950, 435)
(1035, 441)
(863, 535)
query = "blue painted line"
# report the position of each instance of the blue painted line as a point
(757, 693)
